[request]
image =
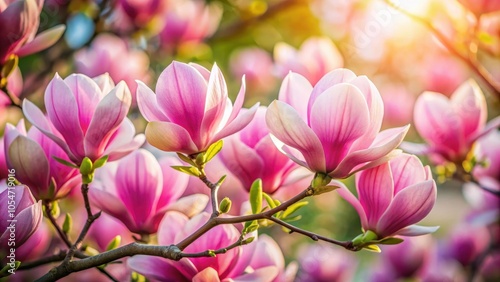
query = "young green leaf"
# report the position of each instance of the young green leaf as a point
(186, 159)
(256, 196)
(64, 162)
(269, 200)
(68, 224)
(390, 241)
(193, 171)
(293, 208)
(372, 248)
(101, 162)
(113, 244)
(212, 151)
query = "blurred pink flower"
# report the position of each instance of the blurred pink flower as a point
(251, 154)
(398, 105)
(20, 20)
(257, 66)
(32, 156)
(191, 109)
(189, 21)
(142, 12)
(316, 57)
(479, 7)
(325, 263)
(138, 176)
(268, 253)
(25, 218)
(393, 197)
(466, 243)
(110, 54)
(451, 126)
(488, 151)
(230, 266)
(334, 126)
(86, 117)
(14, 85)
(442, 73)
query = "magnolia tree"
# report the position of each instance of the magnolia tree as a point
(117, 180)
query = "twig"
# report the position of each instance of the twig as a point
(209, 253)
(214, 190)
(50, 259)
(467, 59)
(62, 235)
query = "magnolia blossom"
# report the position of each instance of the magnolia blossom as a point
(332, 128)
(230, 266)
(191, 109)
(86, 117)
(257, 66)
(19, 20)
(139, 176)
(479, 7)
(251, 154)
(393, 197)
(316, 57)
(32, 156)
(326, 263)
(25, 219)
(451, 126)
(189, 21)
(466, 243)
(110, 54)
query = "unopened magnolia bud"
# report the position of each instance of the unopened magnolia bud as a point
(247, 240)
(225, 205)
(320, 180)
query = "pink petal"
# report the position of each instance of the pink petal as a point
(347, 195)
(170, 137)
(438, 123)
(174, 183)
(417, 230)
(63, 112)
(330, 79)
(338, 117)
(148, 105)
(42, 41)
(295, 91)
(490, 126)
(286, 124)
(292, 153)
(409, 206)
(30, 163)
(105, 83)
(414, 148)
(38, 119)
(406, 170)
(267, 253)
(238, 103)
(181, 93)
(375, 192)
(469, 102)
(110, 204)
(108, 116)
(123, 141)
(139, 176)
(242, 161)
(385, 142)
(170, 225)
(242, 120)
(262, 274)
(206, 275)
(156, 268)
(87, 95)
(28, 221)
(190, 205)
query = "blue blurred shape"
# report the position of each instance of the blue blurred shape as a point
(80, 29)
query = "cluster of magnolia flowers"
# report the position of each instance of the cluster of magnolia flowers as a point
(332, 130)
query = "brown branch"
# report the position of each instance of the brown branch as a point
(43, 261)
(210, 253)
(473, 64)
(62, 235)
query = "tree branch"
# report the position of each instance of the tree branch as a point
(210, 253)
(473, 64)
(62, 235)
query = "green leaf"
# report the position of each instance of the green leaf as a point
(65, 162)
(9, 269)
(256, 196)
(221, 180)
(212, 151)
(249, 223)
(86, 167)
(113, 244)
(252, 227)
(269, 200)
(9, 66)
(55, 210)
(293, 208)
(390, 241)
(193, 171)
(292, 219)
(101, 162)
(372, 248)
(68, 224)
(248, 240)
(186, 159)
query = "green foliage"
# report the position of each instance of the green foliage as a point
(256, 196)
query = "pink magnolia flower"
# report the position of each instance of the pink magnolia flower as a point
(14, 85)
(110, 54)
(316, 57)
(442, 73)
(37, 244)
(189, 21)
(19, 20)
(230, 266)
(479, 7)
(325, 263)
(138, 176)
(86, 117)
(466, 243)
(488, 151)
(257, 66)
(393, 197)
(332, 128)
(32, 156)
(251, 154)
(451, 126)
(191, 109)
(20, 215)
(398, 105)
(142, 12)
